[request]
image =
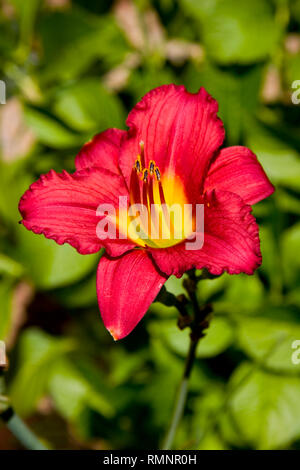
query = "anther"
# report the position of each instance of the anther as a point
(145, 174)
(151, 167)
(138, 165)
(157, 174)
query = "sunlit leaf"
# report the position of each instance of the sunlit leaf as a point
(55, 265)
(266, 407)
(72, 392)
(270, 342)
(38, 353)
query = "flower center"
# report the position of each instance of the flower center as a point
(159, 216)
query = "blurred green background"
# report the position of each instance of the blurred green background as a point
(75, 68)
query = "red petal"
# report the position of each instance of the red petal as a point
(231, 241)
(236, 169)
(180, 131)
(63, 207)
(102, 151)
(126, 287)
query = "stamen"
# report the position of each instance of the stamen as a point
(151, 167)
(142, 154)
(138, 165)
(161, 193)
(135, 192)
(146, 188)
(157, 174)
(164, 206)
(153, 215)
(145, 175)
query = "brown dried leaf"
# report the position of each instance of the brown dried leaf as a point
(271, 89)
(178, 51)
(117, 78)
(155, 30)
(22, 296)
(128, 19)
(16, 139)
(292, 43)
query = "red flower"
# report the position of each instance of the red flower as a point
(171, 153)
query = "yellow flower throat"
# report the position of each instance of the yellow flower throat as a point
(157, 216)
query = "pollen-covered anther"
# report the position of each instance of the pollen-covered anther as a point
(138, 164)
(151, 167)
(145, 175)
(157, 173)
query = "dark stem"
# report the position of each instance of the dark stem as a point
(198, 323)
(181, 396)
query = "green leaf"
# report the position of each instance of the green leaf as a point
(237, 31)
(125, 366)
(26, 12)
(164, 311)
(200, 10)
(244, 293)
(287, 202)
(236, 93)
(218, 337)
(212, 441)
(51, 132)
(81, 294)
(81, 39)
(210, 289)
(295, 9)
(280, 161)
(88, 106)
(271, 265)
(38, 353)
(13, 186)
(269, 342)
(142, 81)
(290, 243)
(72, 393)
(6, 296)
(50, 265)
(175, 285)
(10, 267)
(292, 69)
(265, 407)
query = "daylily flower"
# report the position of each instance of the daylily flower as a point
(171, 153)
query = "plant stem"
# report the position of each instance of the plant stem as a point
(14, 423)
(21, 431)
(182, 394)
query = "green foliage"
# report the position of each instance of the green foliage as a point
(269, 404)
(217, 339)
(81, 39)
(66, 381)
(73, 72)
(236, 31)
(88, 106)
(49, 131)
(55, 265)
(38, 352)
